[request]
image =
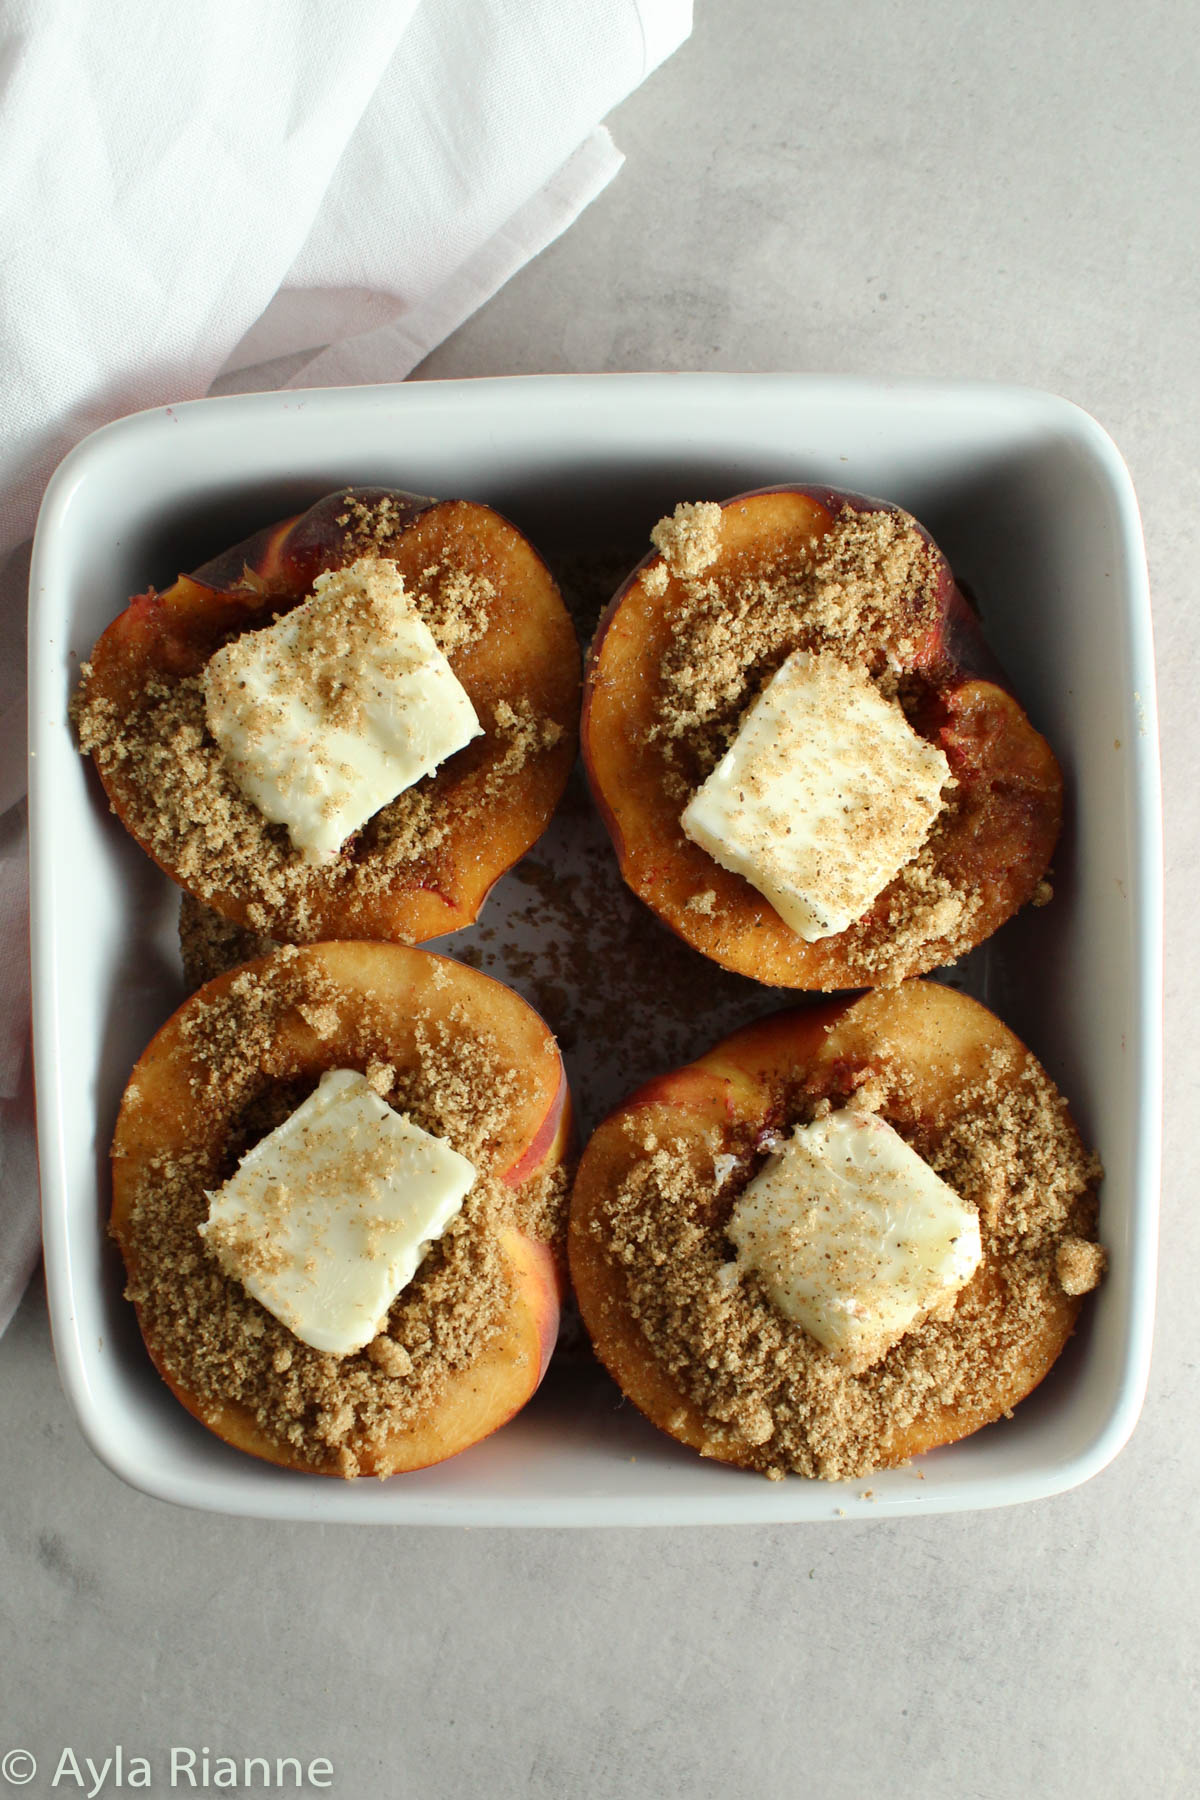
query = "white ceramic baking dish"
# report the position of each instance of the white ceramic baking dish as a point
(1034, 507)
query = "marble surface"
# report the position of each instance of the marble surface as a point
(1005, 192)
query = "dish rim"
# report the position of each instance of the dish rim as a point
(51, 571)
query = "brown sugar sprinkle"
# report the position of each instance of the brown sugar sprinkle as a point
(453, 602)
(354, 610)
(891, 818)
(705, 904)
(209, 945)
(224, 1347)
(576, 943)
(525, 736)
(182, 802)
(389, 1356)
(868, 594)
(1010, 1150)
(689, 541)
(922, 906)
(1080, 1265)
(381, 1076)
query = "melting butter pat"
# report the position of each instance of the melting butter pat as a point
(327, 1219)
(854, 1236)
(331, 712)
(823, 796)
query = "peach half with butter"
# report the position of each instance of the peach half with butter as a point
(847, 1234)
(808, 762)
(339, 1190)
(348, 726)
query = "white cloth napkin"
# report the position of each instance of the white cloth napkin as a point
(188, 189)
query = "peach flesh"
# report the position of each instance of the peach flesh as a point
(1010, 789)
(528, 655)
(944, 1040)
(156, 1118)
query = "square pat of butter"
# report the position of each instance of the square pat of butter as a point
(327, 1218)
(823, 796)
(331, 712)
(854, 1236)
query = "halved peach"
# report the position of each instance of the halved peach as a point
(989, 850)
(968, 1096)
(235, 1059)
(485, 806)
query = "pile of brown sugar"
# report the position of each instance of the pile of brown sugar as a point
(181, 801)
(220, 1345)
(1009, 1149)
(868, 594)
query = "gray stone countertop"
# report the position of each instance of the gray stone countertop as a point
(1006, 192)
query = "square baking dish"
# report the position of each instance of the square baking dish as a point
(1035, 510)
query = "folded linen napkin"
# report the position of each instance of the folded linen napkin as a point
(191, 190)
